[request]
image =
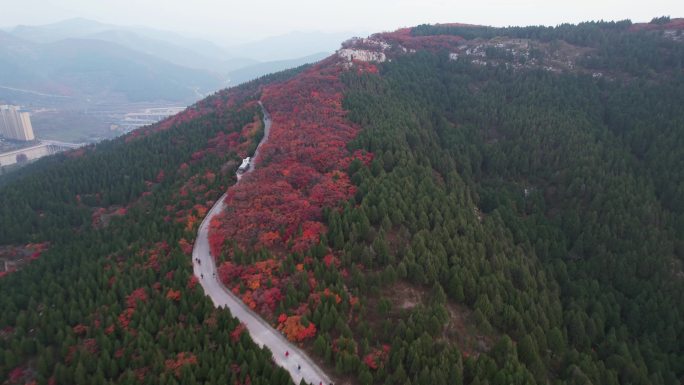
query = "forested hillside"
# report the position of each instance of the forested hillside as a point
(576, 258)
(444, 204)
(113, 300)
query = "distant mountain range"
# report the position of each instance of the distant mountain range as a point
(85, 59)
(87, 68)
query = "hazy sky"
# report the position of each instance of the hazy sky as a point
(229, 19)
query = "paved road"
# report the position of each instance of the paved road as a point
(261, 332)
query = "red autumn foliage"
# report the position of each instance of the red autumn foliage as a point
(278, 206)
(80, 330)
(369, 360)
(331, 260)
(37, 248)
(315, 297)
(377, 357)
(138, 294)
(222, 141)
(295, 331)
(174, 295)
(125, 318)
(312, 281)
(237, 332)
(271, 297)
(259, 279)
(153, 262)
(269, 238)
(101, 216)
(365, 67)
(140, 373)
(197, 155)
(192, 282)
(89, 346)
(335, 296)
(182, 359)
(228, 272)
(16, 375)
(155, 256)
(300, 168)
(249, 300)
(109, 329)
(365, 158)
(310, 236)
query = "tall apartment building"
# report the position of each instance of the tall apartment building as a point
(15, 124)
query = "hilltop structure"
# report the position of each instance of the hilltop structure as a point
(15, 124)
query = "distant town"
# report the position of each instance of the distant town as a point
(18, 144)
(144, 117)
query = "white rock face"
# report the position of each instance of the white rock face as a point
(382, 45)
(350, 54)
(453, 56)
(364, 49)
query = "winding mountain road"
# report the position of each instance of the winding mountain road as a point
(261, 332)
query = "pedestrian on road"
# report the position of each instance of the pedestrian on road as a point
(287, 353)
(202, 275)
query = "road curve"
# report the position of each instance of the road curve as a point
(261, 332)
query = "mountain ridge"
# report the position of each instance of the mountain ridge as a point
(437, 204)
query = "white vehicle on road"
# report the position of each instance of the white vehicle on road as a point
(244, 166)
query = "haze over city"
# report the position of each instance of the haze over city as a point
(231, 22)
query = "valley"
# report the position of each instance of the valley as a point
(85, 81)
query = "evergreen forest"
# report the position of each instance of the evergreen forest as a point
(535, 217)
